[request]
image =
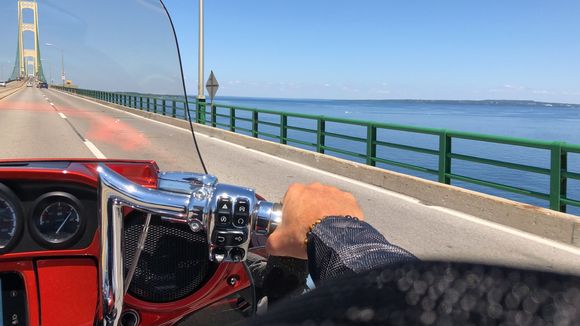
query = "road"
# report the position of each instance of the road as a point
(49, 124)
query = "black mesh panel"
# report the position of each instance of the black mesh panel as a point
(173, 264)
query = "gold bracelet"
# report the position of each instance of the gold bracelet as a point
(320, 221)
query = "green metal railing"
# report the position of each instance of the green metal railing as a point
(228, 116)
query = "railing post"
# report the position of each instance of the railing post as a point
(255, 124)
(320, 135)
(283, 128)
(148, 104)
(197, 111)
(213, 115)
(558, 180)
(155, 105)
(371, 145)
(173, 109)
(164, 107)
(444, 158)
(232, 120)
(141, 103)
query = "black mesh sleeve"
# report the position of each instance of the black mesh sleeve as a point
(340, 246)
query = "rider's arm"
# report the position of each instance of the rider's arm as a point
(340, 246)
(334, 246)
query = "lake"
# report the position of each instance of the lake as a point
(531, 120)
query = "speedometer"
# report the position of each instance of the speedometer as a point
(10, 219)
(57, 220)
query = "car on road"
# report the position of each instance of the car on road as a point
(29, 84)
(2, 84)
(42, 85)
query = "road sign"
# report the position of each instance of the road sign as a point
(212, 86)
(63, 77)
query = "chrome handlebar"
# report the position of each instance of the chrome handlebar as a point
(179, 198)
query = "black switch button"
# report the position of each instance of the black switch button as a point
(222, 219)
(236, 239)
(241, 220)
(242, 207)
(224, 205)
(219, 254)
(220, 238)
(237, 254)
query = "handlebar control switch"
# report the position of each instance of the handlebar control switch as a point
(229, 222)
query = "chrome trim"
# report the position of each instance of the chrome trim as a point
(114, 193)
(184, 182)
(267, 217)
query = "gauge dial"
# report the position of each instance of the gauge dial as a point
(10, 218)
(57, 220)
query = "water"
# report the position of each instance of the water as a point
(540, 121)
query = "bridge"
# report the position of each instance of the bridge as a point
(433, 220)
(28, 62)
(54, 124)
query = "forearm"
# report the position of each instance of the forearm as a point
(341, 246)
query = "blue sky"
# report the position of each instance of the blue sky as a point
(383, 49)
(338, 49)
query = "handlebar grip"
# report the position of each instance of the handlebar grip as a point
(267, 217)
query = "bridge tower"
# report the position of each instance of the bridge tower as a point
(28, 59)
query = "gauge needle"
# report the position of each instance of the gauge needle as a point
(64, 222)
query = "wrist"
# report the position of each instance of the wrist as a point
(320, 221)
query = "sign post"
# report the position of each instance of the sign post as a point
(212, 87)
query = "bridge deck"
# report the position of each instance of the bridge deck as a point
(32, 127)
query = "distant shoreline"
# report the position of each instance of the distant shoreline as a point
(469, 102)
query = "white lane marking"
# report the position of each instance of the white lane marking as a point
(51, 104)
(62, 115)
(98, 154)
(500, 227)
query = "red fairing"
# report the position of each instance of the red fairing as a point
(67, 280)
(80, 171)
(68, 291)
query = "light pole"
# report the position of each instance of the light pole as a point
(50, 69)
(61, 61)
(200, 77)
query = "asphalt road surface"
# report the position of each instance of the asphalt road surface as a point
(40, 123)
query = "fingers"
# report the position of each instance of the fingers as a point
(303, 206)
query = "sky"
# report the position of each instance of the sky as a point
(327, 49)
(387, 49)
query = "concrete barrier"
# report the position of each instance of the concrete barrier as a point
(532, 219)
(5, 92)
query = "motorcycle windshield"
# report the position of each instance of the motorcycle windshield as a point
(85, 77)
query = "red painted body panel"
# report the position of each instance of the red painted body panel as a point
(75, 270)
(68, 291)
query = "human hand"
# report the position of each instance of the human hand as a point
(303, 206)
